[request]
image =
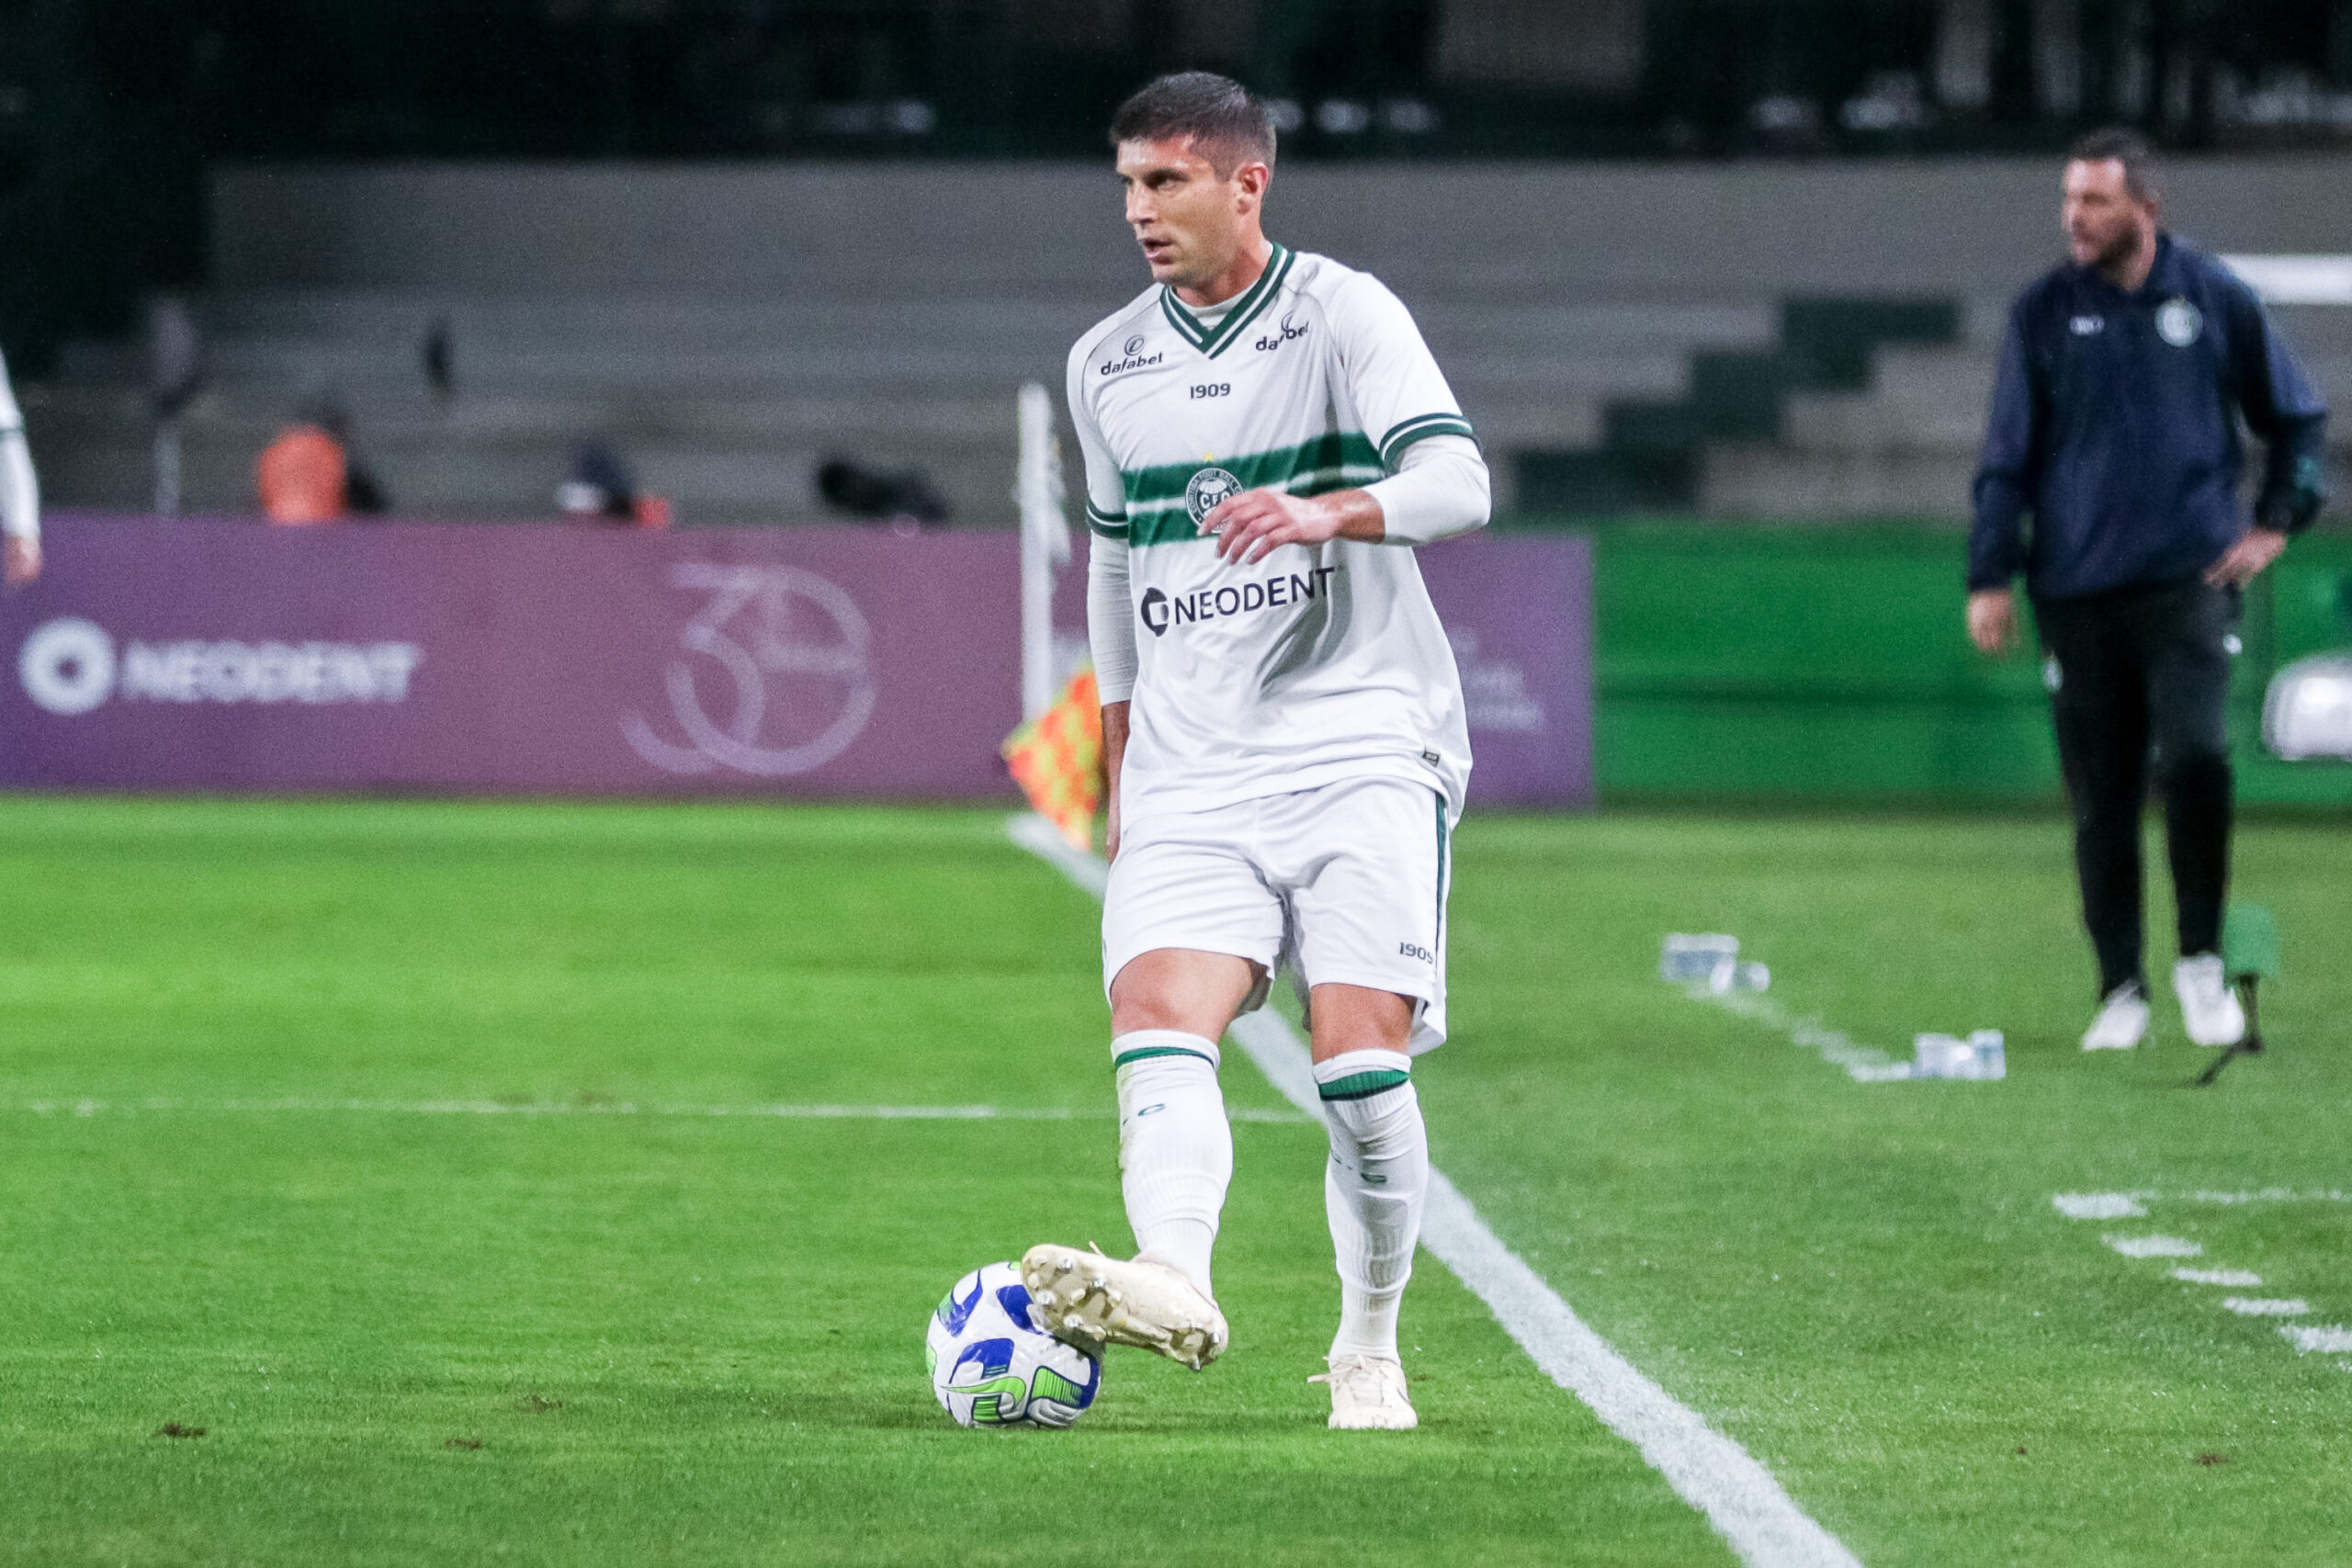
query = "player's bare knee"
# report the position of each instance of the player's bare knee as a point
(1358, 1018)
(1197, 993)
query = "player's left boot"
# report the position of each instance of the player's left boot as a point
(1095, 1301)
(2207, 1010)
(1368, 1394)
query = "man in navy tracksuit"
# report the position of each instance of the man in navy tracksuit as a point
(2115, 428)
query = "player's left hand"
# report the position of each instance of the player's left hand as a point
(2243, 562)
(23, 561)
(1254, 523)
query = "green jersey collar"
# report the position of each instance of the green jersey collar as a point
(1214, 340)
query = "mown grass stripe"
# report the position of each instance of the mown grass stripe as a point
(164, 1105)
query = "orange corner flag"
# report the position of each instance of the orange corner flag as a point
(1056, 759)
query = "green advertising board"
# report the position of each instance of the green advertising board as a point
(1831, 663)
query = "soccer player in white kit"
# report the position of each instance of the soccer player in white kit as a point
(1266, 436)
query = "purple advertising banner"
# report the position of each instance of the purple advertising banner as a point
(557, 659)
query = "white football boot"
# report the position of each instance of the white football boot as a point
(1368, 1394)
(2122, 1020)
(1095, 1301)
(2207, 1010)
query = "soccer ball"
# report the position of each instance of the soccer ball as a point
(991, 1367)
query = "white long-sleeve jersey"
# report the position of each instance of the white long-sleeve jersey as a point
(19, 492)
(1317, 663)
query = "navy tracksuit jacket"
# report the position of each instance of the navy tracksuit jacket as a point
(2115, 427)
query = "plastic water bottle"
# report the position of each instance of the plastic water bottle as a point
(1991, 1058)
(1949, 1056)
(1685, 958)
(1939, 1056)
(1730, 975)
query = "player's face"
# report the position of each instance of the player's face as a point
(2104, 222)
(1190, 220)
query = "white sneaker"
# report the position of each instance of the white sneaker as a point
(1368, 1394)
(1098, 1300)
(2207, 1008)
(2122, 1020)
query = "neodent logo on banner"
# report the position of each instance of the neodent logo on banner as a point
(70, 666)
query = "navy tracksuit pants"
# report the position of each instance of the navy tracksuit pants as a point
(2140, 679)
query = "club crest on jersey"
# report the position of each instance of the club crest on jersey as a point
(2179, 322)
(1209, 489)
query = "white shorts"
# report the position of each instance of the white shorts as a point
(1343, 885)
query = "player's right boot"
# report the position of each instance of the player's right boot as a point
(2211, 1015)
(2122, 1020)
(1368, 1394)
(1097, 1301)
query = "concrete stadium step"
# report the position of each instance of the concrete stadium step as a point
(1757, 481)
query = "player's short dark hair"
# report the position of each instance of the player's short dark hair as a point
(2128, 148)
(1224, 118)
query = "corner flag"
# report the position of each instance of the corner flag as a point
(1056, 759)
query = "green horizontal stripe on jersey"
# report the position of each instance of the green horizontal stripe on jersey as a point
(1124, 1057)
(1363, 1086)
(1157, 511)
(1409, 431)
(1171, 524)
(1109, 525)
(1249, 308)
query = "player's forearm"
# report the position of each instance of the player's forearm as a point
(1114, 756)
(19, 492)
(1440, 491)
(1111, 620)
(1358, 513)
(1114, 741)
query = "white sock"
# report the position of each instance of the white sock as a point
(1372, 1190)
(1175, 1149)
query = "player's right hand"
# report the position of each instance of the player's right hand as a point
(23, 561)
(1993, 620)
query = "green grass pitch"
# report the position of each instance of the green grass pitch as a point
(246, 1186)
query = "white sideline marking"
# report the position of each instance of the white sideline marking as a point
(1045, 841)
(1707, 1470)
(2269, 1195)
(2089, 1205)
(1863, 1064)
(605, 1108)
(2327, 1339)
(2245, 1279)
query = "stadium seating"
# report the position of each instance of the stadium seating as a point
(727, 329)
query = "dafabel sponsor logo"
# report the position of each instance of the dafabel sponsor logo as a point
(1290, 330)
(1130, 357)
(71, 666)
